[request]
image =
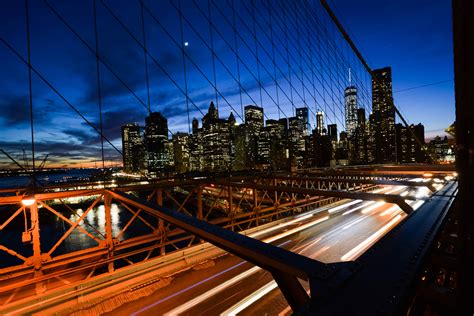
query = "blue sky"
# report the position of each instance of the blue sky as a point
(306, 65)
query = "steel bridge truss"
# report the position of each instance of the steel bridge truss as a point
(224, 206)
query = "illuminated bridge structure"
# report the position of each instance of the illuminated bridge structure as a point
(180, 214)
(64, 248)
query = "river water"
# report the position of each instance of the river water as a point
(52, 228)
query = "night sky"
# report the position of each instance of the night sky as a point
(413, 37)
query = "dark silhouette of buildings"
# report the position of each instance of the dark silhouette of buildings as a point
(382, 119)
(254, 126)
(408, 149)
(221, 144)
(132, 148)
(156, 139)
(303, 116)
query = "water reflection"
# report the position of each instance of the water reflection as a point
(94, 223)
(52, 229)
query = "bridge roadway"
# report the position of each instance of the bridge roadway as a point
(230, 285)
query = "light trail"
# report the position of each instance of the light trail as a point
(372, 207)
(205, 295)
(249, 300)
(422, 192)
(186, 289)
(305, 246)
(319, 252)
(355, 222)
(267, 288)
(296, 229)
(358, 208)
(398, 188)
(195, 285)
(417, 204)
(340, 207)
(201, 298)
(299, 218)
(210, 293)
(261, 292)
(354, 252)
(390, 210)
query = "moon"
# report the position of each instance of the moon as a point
(186, 44)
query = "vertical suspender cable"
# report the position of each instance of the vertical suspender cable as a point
(99, 96)
(273, 58)
(298, 35)
(237, 58)
(256, 51)
(146, 58)
(184, 63)
(288, 62)
(213, 52)
(310, 46)
(30, 92)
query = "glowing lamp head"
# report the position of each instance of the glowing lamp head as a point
(28, 201)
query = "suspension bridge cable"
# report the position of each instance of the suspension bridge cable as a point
(374, 78)
(184, 62)
(99, 96)
(213, 54)
(293, 42)
(237, 58)
(145, 55)
(56, 91)
(155, 61)
(30, 89)
(109, 68)
(84, 42)
(186, 54)
(424, 85)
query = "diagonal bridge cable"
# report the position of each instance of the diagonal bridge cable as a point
(374, 78)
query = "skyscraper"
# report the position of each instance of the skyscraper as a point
(195, 125)
(156, 137)
(408, 149)
(319, 123)
(271, 145)
(216, 141)
(358, 140)
(254, 117)
(296, 141)
(350, 104)
(332, 132)
(132, 148)
(302, 115)
(384, 116)
(254, 126)
(181, 152)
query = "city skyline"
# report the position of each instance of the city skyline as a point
(222, 144)
(57, 126)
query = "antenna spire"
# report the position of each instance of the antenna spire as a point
(350, 77)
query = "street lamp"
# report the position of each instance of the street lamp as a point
(28, 200)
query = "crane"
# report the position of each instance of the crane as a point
(41, 166)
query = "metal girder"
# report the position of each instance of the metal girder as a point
(248, 248)
(284, 265)
(383, 172)
(389, 198)
(429, 185)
